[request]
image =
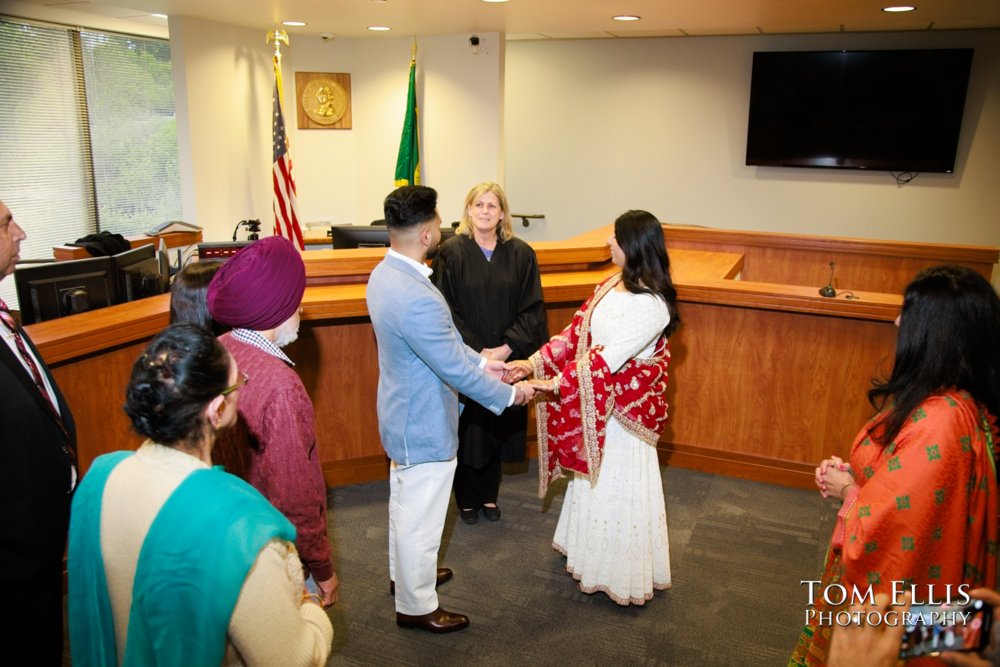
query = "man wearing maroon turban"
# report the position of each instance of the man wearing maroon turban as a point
(258, 293)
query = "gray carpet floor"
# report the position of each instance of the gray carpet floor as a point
(738, 552)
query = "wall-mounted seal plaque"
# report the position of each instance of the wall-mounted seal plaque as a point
(323, 100)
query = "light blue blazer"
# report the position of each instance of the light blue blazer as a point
(423, 366)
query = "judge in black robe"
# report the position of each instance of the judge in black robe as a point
(496, 303)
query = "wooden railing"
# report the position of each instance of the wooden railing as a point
(767, 376)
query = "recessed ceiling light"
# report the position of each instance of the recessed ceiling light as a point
(626, 17)
(379, 28)
(494, 0)
(900, 8)
(293, 24)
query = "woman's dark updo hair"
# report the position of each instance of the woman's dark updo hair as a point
(949, 336)
(188, 296)
(647, 265)
(181, 371)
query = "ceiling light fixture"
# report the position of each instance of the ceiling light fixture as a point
(626, 17)
(159, 16)
(899, 9)
(379, 28)
(294, 24)
(494, 0)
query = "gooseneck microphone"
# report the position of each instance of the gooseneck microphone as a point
(828, 290)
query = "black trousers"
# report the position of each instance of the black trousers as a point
(476, 486)
(32, 630)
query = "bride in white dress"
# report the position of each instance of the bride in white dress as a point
(607, 373)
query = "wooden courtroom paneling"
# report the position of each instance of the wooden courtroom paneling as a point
(764, 394)
(767, 377)
(763, 385)
(860, 264)
(339, 366)
(94, 387)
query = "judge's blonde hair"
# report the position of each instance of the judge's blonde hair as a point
(504, 229)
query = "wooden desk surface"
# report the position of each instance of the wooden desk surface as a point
(172, 240)
(77, 335)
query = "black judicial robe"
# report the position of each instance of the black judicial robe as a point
(492, 302)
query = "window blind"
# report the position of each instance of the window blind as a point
(88, 134)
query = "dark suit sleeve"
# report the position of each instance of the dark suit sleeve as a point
(529, 330)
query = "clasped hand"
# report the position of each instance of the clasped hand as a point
(509, 373)
(518, 370)
(833, 475)
(515, 372)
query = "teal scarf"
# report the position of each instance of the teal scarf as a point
(191, 568)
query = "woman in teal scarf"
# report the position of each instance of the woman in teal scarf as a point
(172, 561)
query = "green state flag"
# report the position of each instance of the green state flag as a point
(408, 160)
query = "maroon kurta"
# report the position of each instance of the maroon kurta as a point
(273, 446)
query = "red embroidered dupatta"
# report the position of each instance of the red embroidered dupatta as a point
(571, 427)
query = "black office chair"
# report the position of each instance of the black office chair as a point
(377, 223)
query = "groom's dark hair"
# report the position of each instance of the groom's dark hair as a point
(409, 205)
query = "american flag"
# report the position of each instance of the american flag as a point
(286, 219)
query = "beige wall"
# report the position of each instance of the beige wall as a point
(577, 130)
(596, 127)
(223, 79)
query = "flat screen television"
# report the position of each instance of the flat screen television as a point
(56, 289)
(357, 236)
(883, 110)
(139, 273)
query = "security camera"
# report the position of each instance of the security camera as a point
(326, 36)
(474, 41)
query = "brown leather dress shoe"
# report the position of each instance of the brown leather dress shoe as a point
(438, 620)
(443, 574)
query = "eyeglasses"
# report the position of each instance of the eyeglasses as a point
(243, 380)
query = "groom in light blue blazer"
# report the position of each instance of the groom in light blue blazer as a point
(423, 367)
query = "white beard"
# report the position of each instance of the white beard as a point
(287, 332)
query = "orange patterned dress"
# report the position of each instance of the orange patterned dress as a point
(925, 512)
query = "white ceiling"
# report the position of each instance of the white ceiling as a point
(537, 19)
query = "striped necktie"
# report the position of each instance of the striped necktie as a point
(36, 374)
(11, 325)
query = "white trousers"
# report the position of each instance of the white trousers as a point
(418, 504)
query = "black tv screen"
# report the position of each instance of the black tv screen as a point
(884, 110)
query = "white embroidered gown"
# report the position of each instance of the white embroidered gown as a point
(614, 534)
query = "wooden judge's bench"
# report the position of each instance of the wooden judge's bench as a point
(767, 376)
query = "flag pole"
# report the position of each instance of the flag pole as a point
(286, 219)
(408, 159)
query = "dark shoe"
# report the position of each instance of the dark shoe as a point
(443, 574)
(469, 516)
(438, 620)
(491, 513)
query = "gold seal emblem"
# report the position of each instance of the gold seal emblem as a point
(324, 101)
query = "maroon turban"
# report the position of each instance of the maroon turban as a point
(259, 287)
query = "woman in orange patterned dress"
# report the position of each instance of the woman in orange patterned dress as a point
(920, 492)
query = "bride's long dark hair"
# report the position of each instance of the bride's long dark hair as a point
(647, 265)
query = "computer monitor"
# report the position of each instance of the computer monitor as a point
(48, 291)
(138, 274)
(357, 236)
